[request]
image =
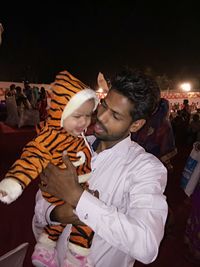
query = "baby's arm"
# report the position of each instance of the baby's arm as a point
(32, 162)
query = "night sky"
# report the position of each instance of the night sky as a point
(90, 36)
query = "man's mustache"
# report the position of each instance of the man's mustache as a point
(101, 125)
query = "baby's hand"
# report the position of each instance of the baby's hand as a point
(3, 193)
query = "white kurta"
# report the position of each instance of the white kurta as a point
(129, 217)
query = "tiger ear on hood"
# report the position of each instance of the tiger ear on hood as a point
(102, 83)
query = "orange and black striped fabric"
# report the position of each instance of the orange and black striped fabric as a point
(63, 89)
(49, 145)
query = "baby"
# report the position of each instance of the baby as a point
(72, 105)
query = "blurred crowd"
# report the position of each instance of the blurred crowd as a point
(25, 106)
(186, 123)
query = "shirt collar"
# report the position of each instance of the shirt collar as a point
(120, 148)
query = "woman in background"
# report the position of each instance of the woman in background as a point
(157, 135)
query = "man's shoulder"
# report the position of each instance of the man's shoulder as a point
(139, 154)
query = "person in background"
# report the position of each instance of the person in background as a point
(12, 115)
(129, 217)
(157, 135)
(186, 113)
(192, 230)
(27, 90)
(21, 100)
(178, 125)
(35, 97)
(194, 129)
(42, 104)
(11, 91)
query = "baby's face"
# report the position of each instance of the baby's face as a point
(80, 119)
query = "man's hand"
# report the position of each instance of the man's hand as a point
(65, 214)
(62, 183)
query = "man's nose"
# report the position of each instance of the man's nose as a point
(104, 116)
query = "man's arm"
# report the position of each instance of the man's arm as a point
(55, 180)
(137, 231)
(48, 213)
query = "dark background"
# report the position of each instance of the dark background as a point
(86, 37)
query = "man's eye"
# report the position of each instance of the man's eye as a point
(115, 117)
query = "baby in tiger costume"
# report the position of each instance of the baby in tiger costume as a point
(72, 105)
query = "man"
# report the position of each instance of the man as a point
(129, 216)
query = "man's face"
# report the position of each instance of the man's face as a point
(113, 118)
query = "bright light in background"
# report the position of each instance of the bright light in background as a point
(185, 87)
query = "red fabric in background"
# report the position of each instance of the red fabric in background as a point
(16, 218)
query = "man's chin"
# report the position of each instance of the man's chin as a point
(98, 135)
(101, 136)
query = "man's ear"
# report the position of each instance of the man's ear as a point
(137, 125)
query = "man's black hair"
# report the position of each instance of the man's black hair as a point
(141, 89)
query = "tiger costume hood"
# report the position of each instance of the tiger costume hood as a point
(68, 94)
